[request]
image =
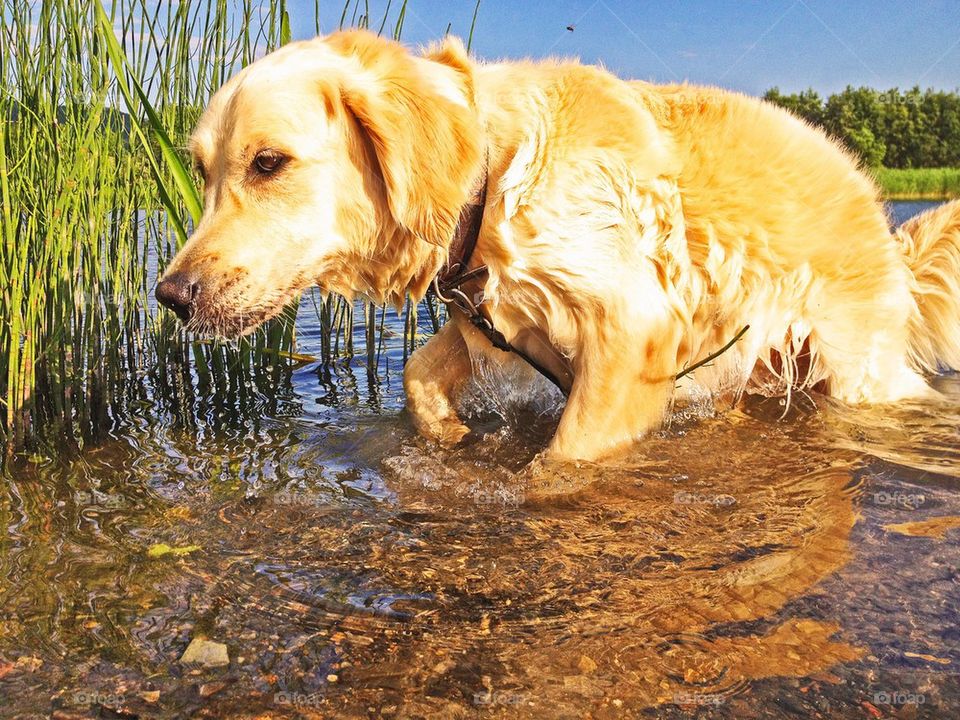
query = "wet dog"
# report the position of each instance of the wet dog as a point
(627, 231)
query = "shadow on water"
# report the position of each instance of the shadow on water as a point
(735, 565)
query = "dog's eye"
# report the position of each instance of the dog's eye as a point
(268, 162)
(201, 170)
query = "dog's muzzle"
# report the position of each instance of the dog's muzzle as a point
(178, 293)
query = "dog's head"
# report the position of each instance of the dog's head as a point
(341, 162)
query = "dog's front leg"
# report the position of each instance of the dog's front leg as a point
(621, 390)
(433, 377)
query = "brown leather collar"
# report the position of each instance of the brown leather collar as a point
(448, 283)
(454, 273)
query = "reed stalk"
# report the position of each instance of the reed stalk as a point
(96, 195)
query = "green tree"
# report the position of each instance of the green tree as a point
(853, 116)
(807, 104)
(895, 128)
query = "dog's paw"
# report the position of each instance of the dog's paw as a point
(449, 433)
(547, 478)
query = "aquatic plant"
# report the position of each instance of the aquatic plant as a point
(919, 183)
(96, 103)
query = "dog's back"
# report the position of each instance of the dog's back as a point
(787, 228)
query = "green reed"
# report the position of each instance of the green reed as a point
(919, 183)
(96, 104)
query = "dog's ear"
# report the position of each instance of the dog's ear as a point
(422, 123)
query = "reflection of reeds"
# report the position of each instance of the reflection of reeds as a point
(95, 200)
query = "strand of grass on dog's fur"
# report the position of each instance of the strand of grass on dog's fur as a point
(712, 356)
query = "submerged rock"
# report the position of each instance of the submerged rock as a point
(205, 652)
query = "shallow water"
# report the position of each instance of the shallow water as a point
(736, 565)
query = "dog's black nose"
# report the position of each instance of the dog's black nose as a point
(178, 292)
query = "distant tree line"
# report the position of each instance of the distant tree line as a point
(893, 128)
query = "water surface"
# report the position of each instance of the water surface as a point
(737, 564)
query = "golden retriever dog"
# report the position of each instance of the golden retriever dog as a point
(628, 230)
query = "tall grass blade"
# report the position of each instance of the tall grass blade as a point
(181, 176)
(284, 27)
(473, 24)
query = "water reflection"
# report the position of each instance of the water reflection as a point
(422, 580)
(663, 582)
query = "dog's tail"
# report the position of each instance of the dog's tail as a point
(931, 246)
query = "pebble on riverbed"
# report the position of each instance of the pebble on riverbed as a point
(204, 652)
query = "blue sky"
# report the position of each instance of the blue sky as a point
(748, 45)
